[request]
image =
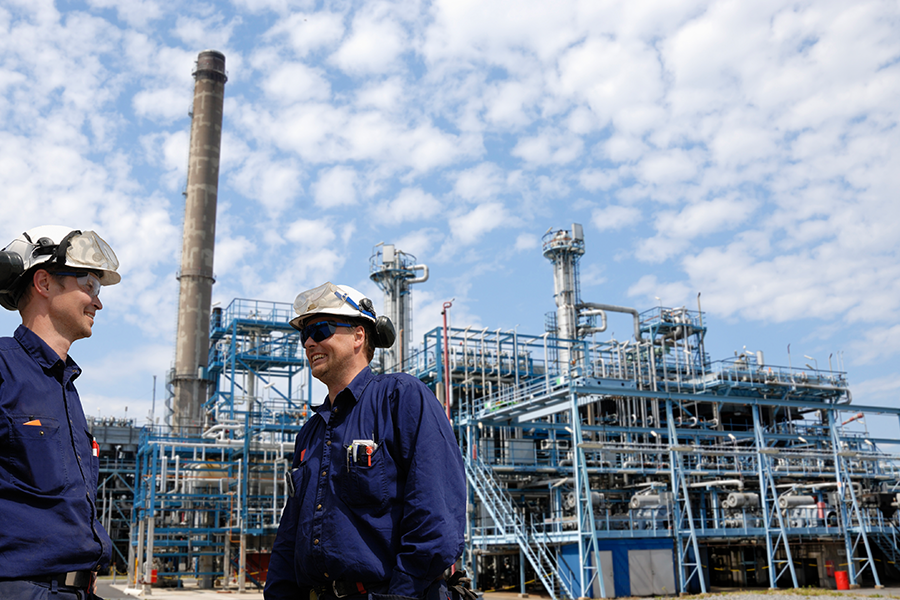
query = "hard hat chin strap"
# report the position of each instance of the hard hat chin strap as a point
(59, 254)
(44, 246)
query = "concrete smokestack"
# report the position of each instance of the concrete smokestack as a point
(196, 277)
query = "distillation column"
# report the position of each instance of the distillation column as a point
(196, 276)
(394, 271)
(564, 249)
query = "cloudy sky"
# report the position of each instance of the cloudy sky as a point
(741, 150)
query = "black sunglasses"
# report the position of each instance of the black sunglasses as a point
(320, 331)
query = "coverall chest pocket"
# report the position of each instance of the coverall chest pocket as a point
(297, 479)
(366, 485)
(36, 453)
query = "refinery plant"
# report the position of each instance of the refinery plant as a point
(595, 467)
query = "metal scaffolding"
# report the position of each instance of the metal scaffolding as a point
(647, 438)
(596, 468)
(207, 505)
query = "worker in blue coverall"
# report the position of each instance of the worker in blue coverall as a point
(377, 491)
(51, 543)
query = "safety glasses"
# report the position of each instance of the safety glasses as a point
(320, 331)
(89, 282)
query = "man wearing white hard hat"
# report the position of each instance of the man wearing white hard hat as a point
(377, 487)
(51, 543)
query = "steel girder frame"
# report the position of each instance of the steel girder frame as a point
(850, 510)
(773, 520)
(681, 502)
(588, 550)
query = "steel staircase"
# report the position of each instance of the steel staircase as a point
(887, 543)
(508, 519)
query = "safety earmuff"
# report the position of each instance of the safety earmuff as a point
(384, 332)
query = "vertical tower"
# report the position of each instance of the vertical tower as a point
(564, 249)
(394, 271)
(196, 276)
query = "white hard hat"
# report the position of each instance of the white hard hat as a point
(52, 244)
(341, 300)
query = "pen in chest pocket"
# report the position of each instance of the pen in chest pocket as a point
(360, 452)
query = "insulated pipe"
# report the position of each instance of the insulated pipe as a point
(423, 278)
(738, 500)
(619, 309)
(646, 501)
(796, 501)
(585, 331)
(720, 482)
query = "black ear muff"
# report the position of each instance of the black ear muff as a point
(384, 332)
(11, 269)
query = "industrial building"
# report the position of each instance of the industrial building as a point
(596, 467)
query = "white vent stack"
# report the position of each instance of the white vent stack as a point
(394, 271)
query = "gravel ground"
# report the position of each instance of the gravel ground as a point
(117, 592)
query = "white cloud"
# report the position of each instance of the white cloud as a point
(749, 148)
(323, 133)
(483, 181)
(420, 242)
(462, 31)
(615, 217)
(273, 182)
(876, 343)
(309, 233)
(598, 179)
(309, 32)
(164, 104)
(612, 76)
(137, 13)
(705, 217)
(549, 148)
(508, 102)
(280, 7)
(373, 46)
(385, 96)
(667, 167)
(411, 204)
(470, 227)
(622, 148)
(170, 152)
(210, 32)
(654, 292)
(335, 187)
(526, 241)
(296, 82)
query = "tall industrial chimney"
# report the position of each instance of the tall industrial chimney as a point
(196, 277)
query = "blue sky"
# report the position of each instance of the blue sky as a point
(744, 150)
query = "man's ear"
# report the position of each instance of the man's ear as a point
(359, 336)
(41, 282)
